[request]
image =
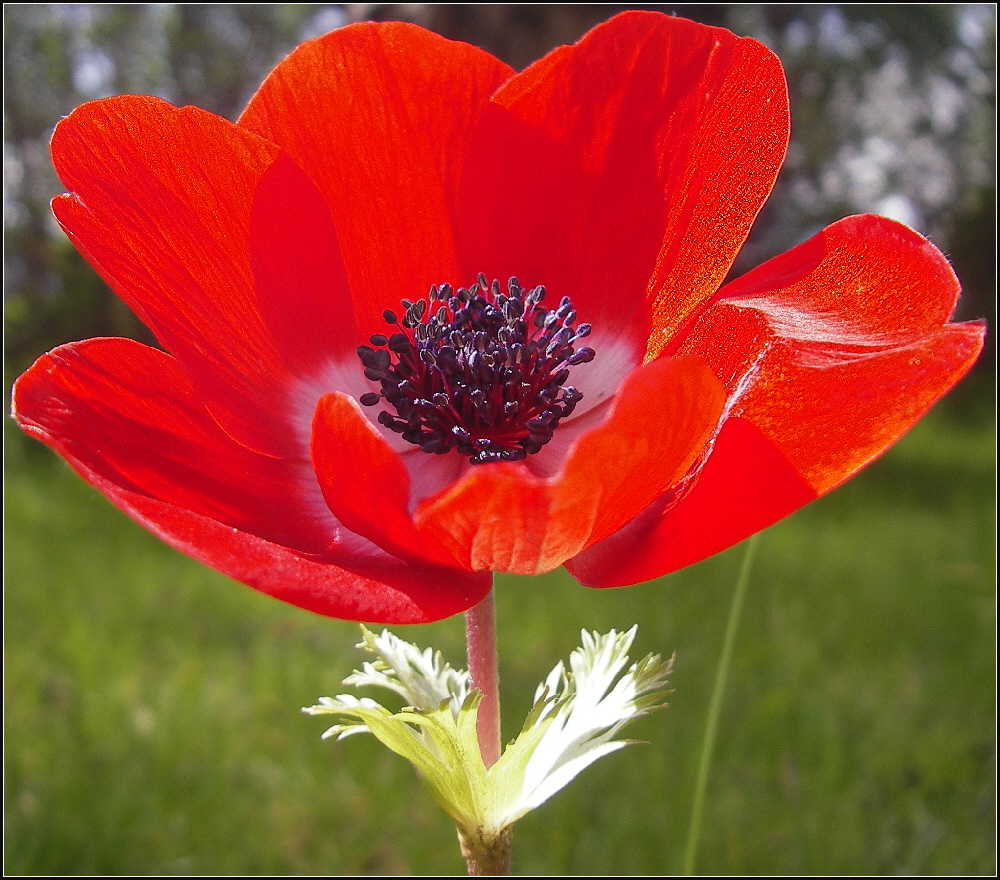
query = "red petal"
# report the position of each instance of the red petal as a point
(379, 116)
(161, 207)
(830, 353)
(503, 518)
(129, 413)
(745, 486)
(302, 291)
(836, 348)
(365, 482)
(125, 418)
(625, 171)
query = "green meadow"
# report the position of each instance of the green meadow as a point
(153, 724)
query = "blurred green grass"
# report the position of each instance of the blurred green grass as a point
(152, 706)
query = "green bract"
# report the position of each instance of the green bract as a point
(575, 719)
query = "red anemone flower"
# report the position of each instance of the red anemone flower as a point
(575, 389)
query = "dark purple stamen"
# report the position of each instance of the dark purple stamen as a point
(477, 370)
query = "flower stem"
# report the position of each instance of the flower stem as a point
(485, 854)
(711, 724)
(480, 634)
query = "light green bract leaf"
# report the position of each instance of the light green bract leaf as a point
(576, 718)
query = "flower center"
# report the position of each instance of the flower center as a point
(477, 370)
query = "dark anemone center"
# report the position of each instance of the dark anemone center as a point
(477, 370)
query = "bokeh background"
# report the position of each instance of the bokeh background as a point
(151, 706)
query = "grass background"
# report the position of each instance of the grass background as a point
(152, 707)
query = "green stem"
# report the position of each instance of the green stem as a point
(712, 723)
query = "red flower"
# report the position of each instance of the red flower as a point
(275, 440)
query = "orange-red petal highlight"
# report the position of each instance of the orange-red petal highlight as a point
(836, 348)
(503, 518)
